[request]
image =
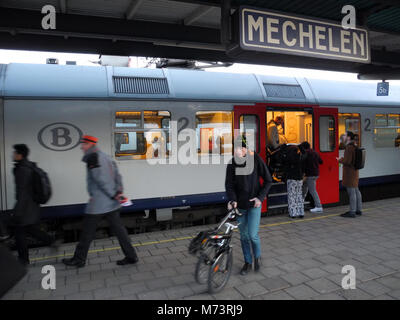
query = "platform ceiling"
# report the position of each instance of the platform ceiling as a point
(190, 29)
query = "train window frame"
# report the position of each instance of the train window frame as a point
(258, 129)
(396, 145)
(198, 142)
(334, 133)
(140, 129)
(352, 116)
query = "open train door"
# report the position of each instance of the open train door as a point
(250, 121)
(326, 144)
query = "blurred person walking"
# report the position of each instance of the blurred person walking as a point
(104, 184)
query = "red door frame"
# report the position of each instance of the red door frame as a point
(328, 183)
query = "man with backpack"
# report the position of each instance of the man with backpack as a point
(351, 162)
(104, 184)
(26, 214)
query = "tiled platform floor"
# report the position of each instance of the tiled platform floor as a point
(302, 259)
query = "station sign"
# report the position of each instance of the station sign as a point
(270, 31)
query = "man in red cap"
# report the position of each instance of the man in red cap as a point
(104, 186)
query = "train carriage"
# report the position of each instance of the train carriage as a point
(134, 113)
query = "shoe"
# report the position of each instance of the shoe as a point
(73, 262)
(126, 260)
(316, 210)
(246, 267)
(348, 215)
(301, 217)
(257, 264)
(4, 238)
(293, 217)
(359, 213)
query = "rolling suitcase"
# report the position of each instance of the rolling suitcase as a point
(11, 270)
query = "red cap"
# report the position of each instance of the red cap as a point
(89, 139)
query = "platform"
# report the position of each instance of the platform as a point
(302, 259)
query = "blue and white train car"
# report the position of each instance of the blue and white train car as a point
(134, 113)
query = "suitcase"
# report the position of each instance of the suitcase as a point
(11, 270)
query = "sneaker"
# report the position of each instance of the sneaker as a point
(316, 209)
(359, 213)
(301, 217)
(348, 215)
(246, 267)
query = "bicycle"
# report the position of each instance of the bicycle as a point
(215, 258)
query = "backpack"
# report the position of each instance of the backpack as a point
(359, 161)
(41, 185)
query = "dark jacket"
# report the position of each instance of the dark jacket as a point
(311, 163)
(294, 163)
(26, 210)
(242, 188)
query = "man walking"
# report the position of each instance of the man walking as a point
(245, 192)
(350, 177)
(104, 185)
(311, 171)
(26, 214)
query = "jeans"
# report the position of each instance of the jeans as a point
(355, 199)
(89, 231)
(249, 223)
(310, 185)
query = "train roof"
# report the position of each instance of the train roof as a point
(94, 82)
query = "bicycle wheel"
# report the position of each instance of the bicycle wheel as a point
(203, 265)
(220, 272)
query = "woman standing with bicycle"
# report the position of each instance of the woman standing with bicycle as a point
(244, 191)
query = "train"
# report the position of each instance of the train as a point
(142, 115)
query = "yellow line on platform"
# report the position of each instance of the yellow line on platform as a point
(184, 238)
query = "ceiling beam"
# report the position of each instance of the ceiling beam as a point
(197, 14)
(133, 8)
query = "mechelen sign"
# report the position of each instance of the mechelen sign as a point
(269, 31)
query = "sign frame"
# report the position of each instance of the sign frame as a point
(307, 53)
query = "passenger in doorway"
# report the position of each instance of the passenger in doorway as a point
(294, 169)
(25, 217)
(104, 185)
(247, 194)
(273, 132)
(311, 170)
(350, 177)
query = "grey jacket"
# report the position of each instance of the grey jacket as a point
(103, 182)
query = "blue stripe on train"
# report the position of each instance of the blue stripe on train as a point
(179, 201)
(140, 204)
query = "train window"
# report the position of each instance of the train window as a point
(327, 133)
(128, 119)
(142, 135)
(249, 128)
(349, 122)
(214, 132)
(156, 119)
(130, 143)
(387, 131)
(292, 126)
